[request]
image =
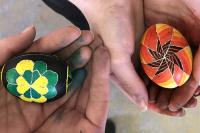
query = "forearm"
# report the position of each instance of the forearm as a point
(89, 8)
(96, 10)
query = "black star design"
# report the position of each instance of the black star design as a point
(165, 57)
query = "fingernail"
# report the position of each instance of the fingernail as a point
(85, 38)
(192, 105)
(172, 108)
(196, 93)
(80, 40)
(152, 101)
(140, 102)
(181, 114)
(143, 106)
(27, 29)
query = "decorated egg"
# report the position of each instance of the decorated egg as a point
(166, 56)
(36, 77)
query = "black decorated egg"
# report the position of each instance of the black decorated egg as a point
(36, 77)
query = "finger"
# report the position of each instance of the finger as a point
(82, 99)
(85, 39)
(16, 44)
(197, 92)
(183, 94)
(82, 102)
(140, 71)
(75, 88)
(164, 98)
(196, 69)
(146, 80)
(153, 93)
(56, 40)
(79, 76)
(179, 113)
(67, 101)
(97, 107)
(132, 86)
(192, 103)
(97, 42)
(79, 58)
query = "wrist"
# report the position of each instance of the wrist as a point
(88, 8)
(99, 12)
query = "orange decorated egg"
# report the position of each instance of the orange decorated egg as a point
(166, 56)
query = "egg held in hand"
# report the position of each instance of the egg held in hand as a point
(166, 56)
(36, 77)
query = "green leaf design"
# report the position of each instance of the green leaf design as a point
(35, 94)
(39, 70)
(13, 89)
(52, 92)
(28, 76)
(27, 94)
(31, 93)
(36, 75)
(40, 66)
(52, 77)
(11, 76)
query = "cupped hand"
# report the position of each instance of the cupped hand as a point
(118, 23)
(184, 15)
(77, 109)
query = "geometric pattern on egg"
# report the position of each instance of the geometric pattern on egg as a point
(166, 56)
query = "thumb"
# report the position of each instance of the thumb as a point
(131, 84)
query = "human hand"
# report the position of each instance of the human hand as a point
(118, 23)
(184, 15)
(86, 110)
(19, 116)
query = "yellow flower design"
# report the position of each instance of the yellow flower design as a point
(32, 82)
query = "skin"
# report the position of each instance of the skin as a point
(73, 113)
(121, 23)
(117, 23)
(88, 106)
(184, 15)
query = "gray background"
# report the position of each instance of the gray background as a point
(15, 15)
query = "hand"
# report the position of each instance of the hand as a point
(22, 117)
(116, 22)
(184, 15)
(86, 110)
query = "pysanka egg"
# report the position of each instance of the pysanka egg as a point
(166, 56)
(36, 77)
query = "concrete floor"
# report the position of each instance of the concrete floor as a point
(15, 15)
